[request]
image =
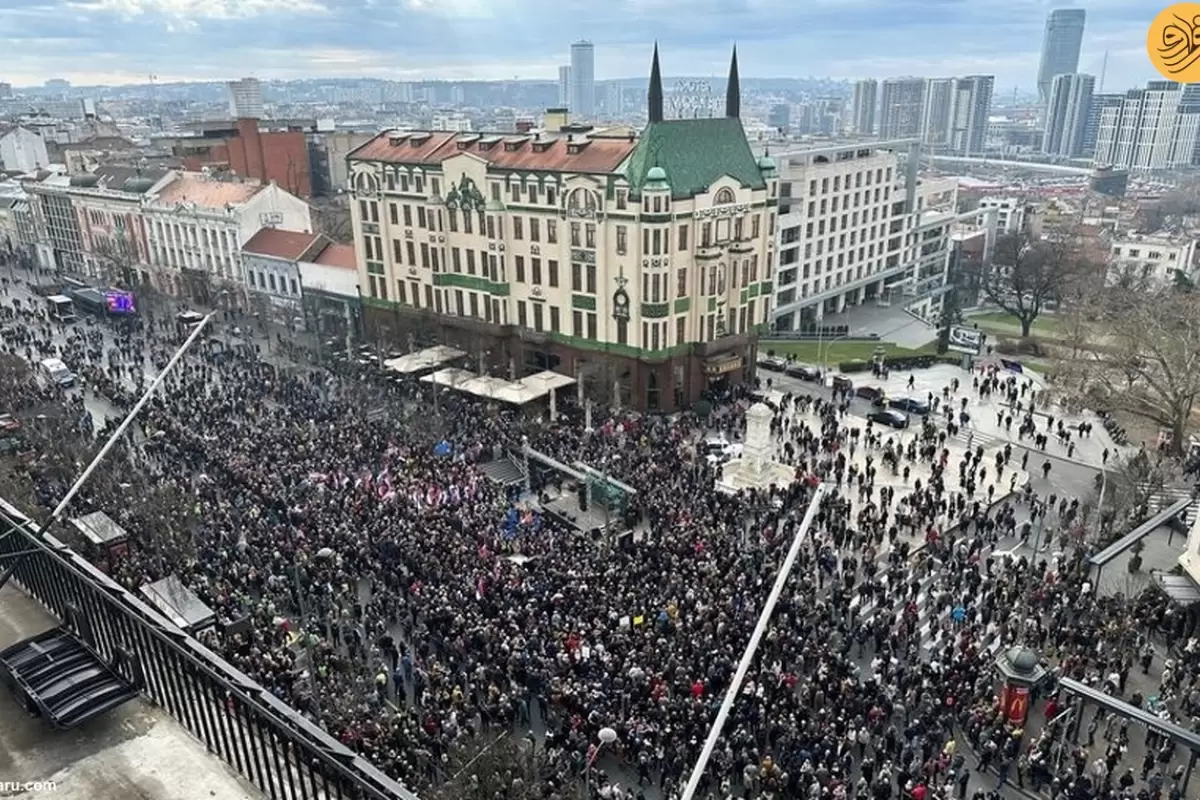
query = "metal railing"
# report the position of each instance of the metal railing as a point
(267, 742)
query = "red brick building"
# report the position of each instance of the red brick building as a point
(244, 150)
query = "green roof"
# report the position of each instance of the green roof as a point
(695, 153)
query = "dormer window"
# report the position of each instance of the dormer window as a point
(724, 197)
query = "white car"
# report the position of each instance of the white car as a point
(719, 450)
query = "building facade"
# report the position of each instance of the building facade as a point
(901, 102)
(971, 107)
(108, 202)
(1067, 115)
(564, 86)
(249, 151)
(582, 102)
(856, 227)
(640, 265)
(246, 99)
(1012, 213)
(1153, 261)
(197, 226)
(1151, 129)
(1060, 47)
(936, 113)
(271, 260)
(863, 104)
(22, 150)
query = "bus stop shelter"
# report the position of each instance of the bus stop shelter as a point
(179, 604)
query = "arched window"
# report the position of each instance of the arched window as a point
(582, 202)
(652, 392)
(365, 182)
(724, 197)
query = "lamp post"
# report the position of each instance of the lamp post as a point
(823, 352)
(606, 735)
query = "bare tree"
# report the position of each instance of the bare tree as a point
(115, 258)
(1150, 367)
(1027, 274)
(333, 220)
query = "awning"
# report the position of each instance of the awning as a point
(450, 376)
(722, 365)
(518, 393)
(428, 358)
(1181, 589)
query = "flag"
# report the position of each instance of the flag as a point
(442, 448)
(1012, 366)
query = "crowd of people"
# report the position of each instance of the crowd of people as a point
(417, 610)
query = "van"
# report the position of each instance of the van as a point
(53, 372)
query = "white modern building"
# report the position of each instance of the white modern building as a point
(936, 112)
(564, 86)
(863, 105)
(1067, 115)
(1060, 47)
(1012, 213)
(582, 102)
(1152, 129)
(857, 226)
(1153, 261)
(246, 99)
(972, 105)
(22, 150)
(197, 226)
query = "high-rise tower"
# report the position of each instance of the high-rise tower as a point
(583, 80)
(1060, 47)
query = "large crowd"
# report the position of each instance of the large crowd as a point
(416, 609)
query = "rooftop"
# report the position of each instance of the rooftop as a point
(197, 189)
(136, 750)
(337, 255)
(548, 153)
(288, 245)
(695, 153)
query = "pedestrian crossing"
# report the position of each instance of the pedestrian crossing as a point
(973, 439)
(1161, 497)
(934, 609)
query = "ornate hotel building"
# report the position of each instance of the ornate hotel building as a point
(640, 264)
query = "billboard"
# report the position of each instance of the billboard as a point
(118, 302)
(965, 340)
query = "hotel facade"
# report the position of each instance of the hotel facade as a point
(639, 264)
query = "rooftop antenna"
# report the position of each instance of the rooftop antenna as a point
(1103, 72)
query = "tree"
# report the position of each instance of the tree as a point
(1150, 365)
(1026, 274)
(115, 258)
(333, 220)
(480, 768)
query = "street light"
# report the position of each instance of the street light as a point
(606, 735)
(823, 352)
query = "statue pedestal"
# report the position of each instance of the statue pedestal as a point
(756, 469)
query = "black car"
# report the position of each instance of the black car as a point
(911, 405)
(803, 372)
(871, 393)
(889, 417)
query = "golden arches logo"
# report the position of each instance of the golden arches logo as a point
(1173, 43)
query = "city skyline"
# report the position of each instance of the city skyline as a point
(93, 42)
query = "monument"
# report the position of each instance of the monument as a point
(757, 468)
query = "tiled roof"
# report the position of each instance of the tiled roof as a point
(288, 245)
(694, 153)
(503, 151)
(191, 187)
(337, 255)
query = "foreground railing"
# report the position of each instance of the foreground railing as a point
(263, 739)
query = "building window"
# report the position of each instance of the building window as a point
(407, 215)
(552, 269)
(590, 232)
(552, 231)
(591, 278)
(522, 314)
(554, 319)
(575, 234)
(622, 239)
(519, 265)
(535, 270)
(591, 326)
(538, 324)
(680, 330)
(622, 195)
(535, 229)
(518, 226)
(576, 277)
(683, 237)
(577, 324)
(681, 288)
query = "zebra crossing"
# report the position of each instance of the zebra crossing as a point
(1161, 497)
(973, 439)
(933, 610)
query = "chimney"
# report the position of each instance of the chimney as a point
(556, 119)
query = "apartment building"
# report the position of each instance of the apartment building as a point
(1013, 214)
(641, 264)
(1151, 129)
(857, 226)
(1153, 261)
(197, 226)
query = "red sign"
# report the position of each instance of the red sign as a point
(1018, 703)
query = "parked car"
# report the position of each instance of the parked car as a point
(889, 417)
(803, 372)
(910, 404)
(872, 393)
(773, 363)
(841, 383)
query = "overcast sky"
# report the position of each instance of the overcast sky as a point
(122, 41)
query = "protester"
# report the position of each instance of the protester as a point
(373, 562)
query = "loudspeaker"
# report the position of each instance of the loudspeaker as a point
(583, 497)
